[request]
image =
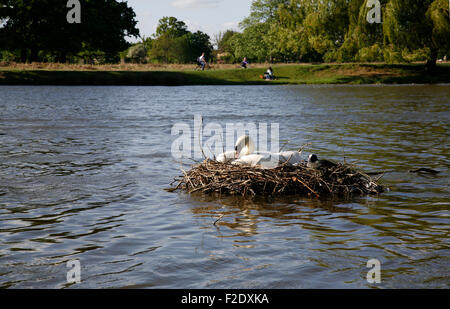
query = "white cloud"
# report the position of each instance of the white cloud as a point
(232, 25)
(194, 26)
(195, 4)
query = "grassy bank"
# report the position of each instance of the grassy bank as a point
(151, 75)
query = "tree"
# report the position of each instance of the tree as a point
(251, 43)
(148, 42)
(338, 30)
(363, 41)
(163, 49)
(438, 14)
(223, 41)
(263, 11)
(173, 43)
(199, 42)
(171, 27)
(170, 43)
(224, 44)
(34, 26)
(25, 25)
(413, 24)
(106, 24)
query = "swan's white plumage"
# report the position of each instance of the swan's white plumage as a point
(270, 160)
(226, 157)
(244, 146)
(244, 155)
(249, 160)
(291, 157)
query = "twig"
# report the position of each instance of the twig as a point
(304, 146)
(199, 139)
(220, 218)
(211, 176)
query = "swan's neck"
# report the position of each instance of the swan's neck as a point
(245, 152)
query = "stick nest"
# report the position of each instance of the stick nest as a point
(214, 177)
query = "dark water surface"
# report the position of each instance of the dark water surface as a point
(83, 172)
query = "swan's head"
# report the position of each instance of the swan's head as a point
(244, 146)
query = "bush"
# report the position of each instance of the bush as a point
(137, 54)
(7, 56)
(370, 54)
(331, 56)
(392, 55)
(225, 58)
(347, 52)
(417, 55)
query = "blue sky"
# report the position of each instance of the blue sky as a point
(210, 16)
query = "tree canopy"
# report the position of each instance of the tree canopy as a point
(275, 31)
(339, 30)
(173, 43)
(38, 29)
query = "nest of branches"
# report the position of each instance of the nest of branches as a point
(214, 177)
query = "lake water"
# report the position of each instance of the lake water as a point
(83, 172)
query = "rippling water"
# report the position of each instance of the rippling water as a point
(83, 172)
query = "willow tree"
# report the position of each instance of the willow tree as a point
(439, 13)
(415, 24)
(311, 30)
(341, 30)
(364, 38)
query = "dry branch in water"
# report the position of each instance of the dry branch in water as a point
(214, 177)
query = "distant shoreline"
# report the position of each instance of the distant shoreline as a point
(185, 75)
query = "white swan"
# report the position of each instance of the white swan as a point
(244, 146)
(270, 160)
(226, 157)
(243, 155)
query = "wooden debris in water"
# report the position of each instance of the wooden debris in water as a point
(425, 170)
(214, 177)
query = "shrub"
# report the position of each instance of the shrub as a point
(370, 54)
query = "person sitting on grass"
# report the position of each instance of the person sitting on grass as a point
(201, 61)
(269, 74)
(244, 63)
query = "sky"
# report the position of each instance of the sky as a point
(209, 16)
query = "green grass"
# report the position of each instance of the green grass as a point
(287, 74)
